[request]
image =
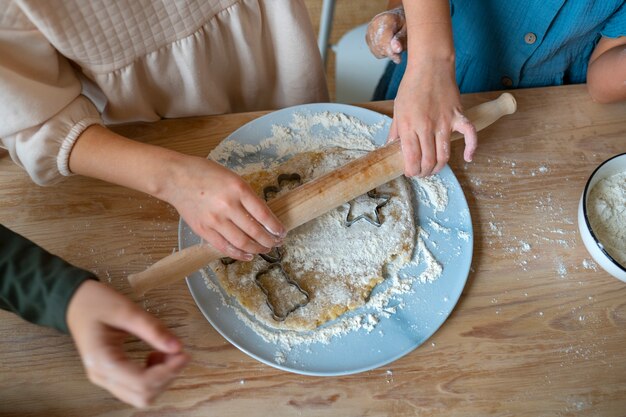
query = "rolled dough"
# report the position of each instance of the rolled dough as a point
(336, 265)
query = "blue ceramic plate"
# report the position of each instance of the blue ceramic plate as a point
(424, 309)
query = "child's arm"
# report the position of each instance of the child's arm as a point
(216, 203)
(51, 129)
(606, 75)
(34, 284)
(46, 290)
(428, 107)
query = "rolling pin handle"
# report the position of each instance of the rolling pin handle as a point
(173, 267)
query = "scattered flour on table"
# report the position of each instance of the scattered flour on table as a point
(590, 264)
(494, 228)
(311, 132)
(606, 206)
(561, 269)
(553, 225)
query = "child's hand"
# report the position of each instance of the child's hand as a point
(426, 111)
(222, 209)
(386, 34)
(100, 319)
(214, 201)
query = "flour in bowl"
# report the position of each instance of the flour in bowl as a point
(606, 208)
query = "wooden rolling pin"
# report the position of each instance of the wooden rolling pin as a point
(315, 198)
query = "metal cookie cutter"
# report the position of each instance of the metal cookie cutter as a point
(273, 298)
(283, 180)
(273, 256)
(227, 261)
(374, 220)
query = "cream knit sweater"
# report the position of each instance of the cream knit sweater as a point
(67, 64)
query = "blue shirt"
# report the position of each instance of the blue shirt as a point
(522, 43)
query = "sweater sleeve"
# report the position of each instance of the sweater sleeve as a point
(35, 284)
(42, 111)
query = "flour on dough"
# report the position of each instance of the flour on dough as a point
(338, 266)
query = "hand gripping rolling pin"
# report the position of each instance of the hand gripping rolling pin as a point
(316, 197)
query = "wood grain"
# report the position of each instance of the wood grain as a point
(535, 333)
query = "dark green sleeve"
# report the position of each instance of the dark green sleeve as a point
(35, 284)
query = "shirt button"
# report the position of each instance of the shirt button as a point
(530, 38)
(506, 81)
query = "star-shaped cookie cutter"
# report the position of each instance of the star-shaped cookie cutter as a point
(374, 220)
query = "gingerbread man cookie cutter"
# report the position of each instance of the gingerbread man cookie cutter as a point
(279, 307)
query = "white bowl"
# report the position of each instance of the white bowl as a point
(612, 166)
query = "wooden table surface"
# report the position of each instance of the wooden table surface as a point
(540, 329)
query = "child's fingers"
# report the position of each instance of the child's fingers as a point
(396, 58)
(381, 31)
(135, 385)
(397, 45)
(220, 243)
(442, 143)
(393, 131)
(145, 326)
(378, 36)
(154, 358)
(130, 381)
(427, 148)
(255, 230)
(463, 125)
(412, 153)
(159, 376)
(113, 371)
(398, 42)
(129, 394)
(123, 393)
(207, 232)
(262, 213)
(239, 238)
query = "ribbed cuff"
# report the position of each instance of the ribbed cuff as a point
(63, 157)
